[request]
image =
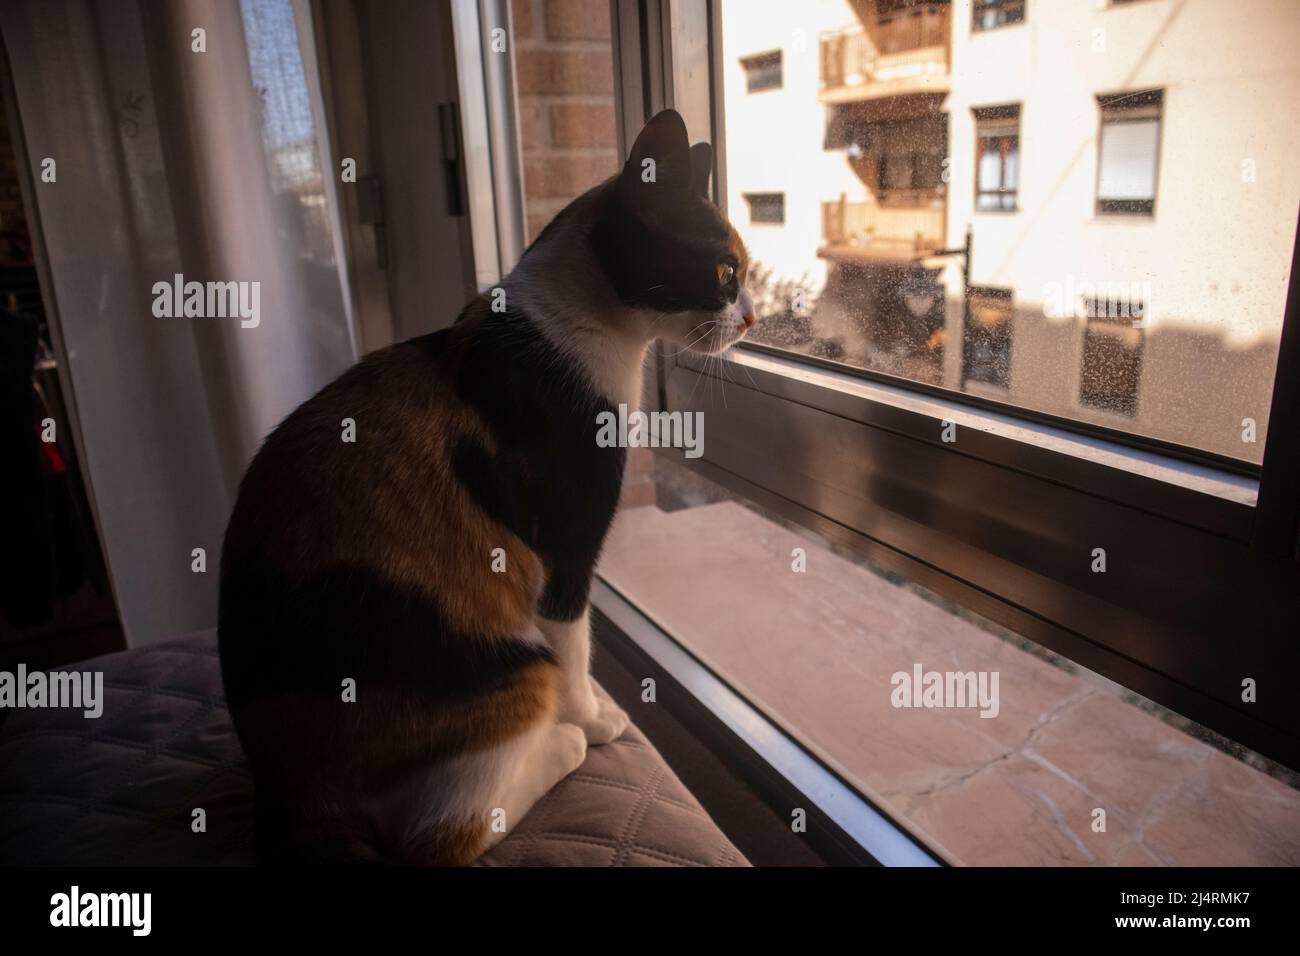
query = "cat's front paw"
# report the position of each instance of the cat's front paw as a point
(608, 722)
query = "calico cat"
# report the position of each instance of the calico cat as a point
(404, 623)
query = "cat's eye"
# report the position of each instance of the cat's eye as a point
(725, 273)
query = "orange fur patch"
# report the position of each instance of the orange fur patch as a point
(736, 246)
(390, 501)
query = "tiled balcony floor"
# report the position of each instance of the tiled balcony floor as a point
(816, 651)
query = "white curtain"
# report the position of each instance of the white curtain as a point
(207, 164)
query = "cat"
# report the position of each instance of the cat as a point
(404, 621)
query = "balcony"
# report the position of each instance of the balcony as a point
(896, 228)
(898, 54)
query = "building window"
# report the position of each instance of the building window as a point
(991, 14)
(901, 168)
(907, 156)
(762, 72)
(1128, 153)
(997, 158)
(1112, 357)
(766, 207)
(986, 342)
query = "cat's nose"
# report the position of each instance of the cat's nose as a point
(746, 305)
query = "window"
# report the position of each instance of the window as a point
(997, 157)
(762, 72)
(1112, 359)
(986, 346)
(991, 14)
(766, 207)
(1128, 153)
(908, 154)
(882, 179)
(872, 424)
(836, 648)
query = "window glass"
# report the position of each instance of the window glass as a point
(1128, 160)
(987, 346)
(766, 207)
(1144, 164)
(997, 133)
(1112, 366)
(990, 166)
(989, 748)
(763, 72)
(990, 14)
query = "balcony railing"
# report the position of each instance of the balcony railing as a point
(911, 29)
(902, 225)
(847, 59)
(858, 55)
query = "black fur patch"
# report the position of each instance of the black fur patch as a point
(550, 484)
(667, 261)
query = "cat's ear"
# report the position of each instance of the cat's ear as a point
(701, 167)
(660, 160)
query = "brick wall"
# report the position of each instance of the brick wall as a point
(565, 83)
(564, 74)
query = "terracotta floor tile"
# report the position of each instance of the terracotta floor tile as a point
(817, 650)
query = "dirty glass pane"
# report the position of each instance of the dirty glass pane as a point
(1125, 172)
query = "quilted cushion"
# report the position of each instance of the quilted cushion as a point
(121, 789)
(622, 807)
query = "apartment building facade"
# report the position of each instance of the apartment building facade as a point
(1121, 168)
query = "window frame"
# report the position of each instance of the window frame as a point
(974, 15)
(1103, 328)
(953, 518)
(1008, 296)
(779, 196)
(1141, 209)
(984, 117)
(745, 64)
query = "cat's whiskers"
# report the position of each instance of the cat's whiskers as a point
(704, 374)
(750, 376)
(723, 362)
(722, 376)
(699, 338)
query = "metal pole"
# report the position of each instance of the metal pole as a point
(965, 282)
